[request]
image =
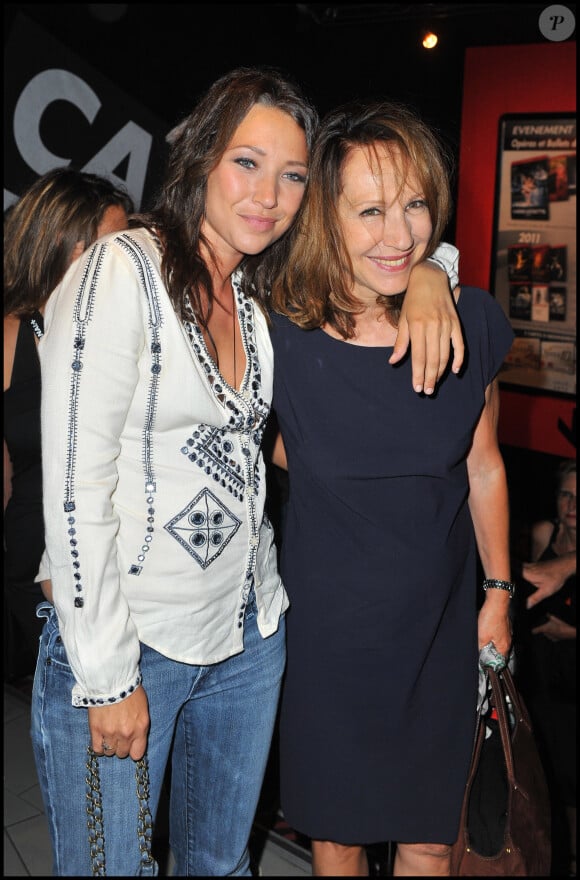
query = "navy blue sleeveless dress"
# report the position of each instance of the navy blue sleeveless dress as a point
(379, 560)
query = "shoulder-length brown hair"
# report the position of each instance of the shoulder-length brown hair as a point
(197, 145)
(314, 287)
(42, 228)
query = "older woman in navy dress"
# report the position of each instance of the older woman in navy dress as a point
(391, 496)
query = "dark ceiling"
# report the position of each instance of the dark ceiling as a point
(164, 54)
(342, 13)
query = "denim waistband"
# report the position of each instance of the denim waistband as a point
(45, 609)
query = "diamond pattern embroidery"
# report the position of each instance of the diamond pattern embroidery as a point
(204, 528)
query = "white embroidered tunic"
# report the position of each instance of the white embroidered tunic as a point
(154, 483)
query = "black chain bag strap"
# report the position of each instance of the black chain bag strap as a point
(95, 820)
(505, 818)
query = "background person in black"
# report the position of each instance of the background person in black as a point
(546, 663)
(55, 220)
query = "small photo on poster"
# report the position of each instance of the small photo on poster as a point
(524, 353)
(559, 356)
(558, 263)
(540, 302)
(521, 302)
(558, 178)
(541, 262)
(529, 189)
(519, 263)
(557, 303)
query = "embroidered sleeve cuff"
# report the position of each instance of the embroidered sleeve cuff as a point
(81, 700)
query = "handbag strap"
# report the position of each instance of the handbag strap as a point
(95, 820)
(517, 702)
(502, 686)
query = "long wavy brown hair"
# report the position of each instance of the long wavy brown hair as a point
(42, 228)
(314, 287)
(197, 145)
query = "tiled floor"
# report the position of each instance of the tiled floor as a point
(26, 841)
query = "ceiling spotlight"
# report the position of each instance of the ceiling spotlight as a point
(429, 40)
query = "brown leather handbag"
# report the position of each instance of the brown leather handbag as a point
(504, 829)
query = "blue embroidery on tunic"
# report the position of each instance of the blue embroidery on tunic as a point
(204, 528)
(146, 275)
(210, 449)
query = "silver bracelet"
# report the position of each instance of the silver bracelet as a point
(493, 584)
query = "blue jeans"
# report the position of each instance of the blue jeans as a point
(220, 719)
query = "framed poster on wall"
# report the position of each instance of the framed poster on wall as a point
(533, 273)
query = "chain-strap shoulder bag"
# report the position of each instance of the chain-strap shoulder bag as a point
(95, 820)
